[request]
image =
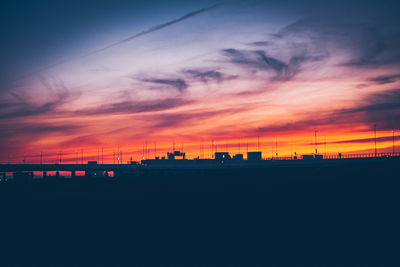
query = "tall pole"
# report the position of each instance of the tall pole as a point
(325, 144)
(212, 148)
(375, 137)
(272, 150)
(276, 145)
(316, 149)
(258, 143)
(393, 139)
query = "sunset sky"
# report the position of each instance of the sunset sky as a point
(107, 74)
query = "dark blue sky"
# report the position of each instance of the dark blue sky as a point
(39, 33)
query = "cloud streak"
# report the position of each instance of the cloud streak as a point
(59, 93)
(207, 76)
(156, 28)
(178, 84)
(134, 107)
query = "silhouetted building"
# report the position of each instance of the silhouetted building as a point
(222, 156)
(318, 156)
(253, 156)
(176, 154)
(238, 157)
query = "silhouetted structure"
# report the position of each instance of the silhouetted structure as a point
(313, 157)
(238, 157)
(176, 154)
(220, 156)
(253, 156)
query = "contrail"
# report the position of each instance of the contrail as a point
(155, 28)
(137, 35)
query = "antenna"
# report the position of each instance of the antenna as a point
(316, 147)
(276, 145)
(239, 145)
(258, 143)
(375, 137)
(272, 151)
(393, 140)
(212, 148)
(117, 155)
(155, 150)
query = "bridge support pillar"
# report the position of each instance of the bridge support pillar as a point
(73, 174)
(44, 174)
(57, 174)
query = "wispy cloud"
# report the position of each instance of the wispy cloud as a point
(23, 107)
(178, 84)
(382, 109)
(260, 61)
(371, 44)
(206, 76)
(134, 107)
(386, 79)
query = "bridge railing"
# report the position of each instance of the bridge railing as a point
(340, 156)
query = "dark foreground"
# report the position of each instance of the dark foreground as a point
(310, 216)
